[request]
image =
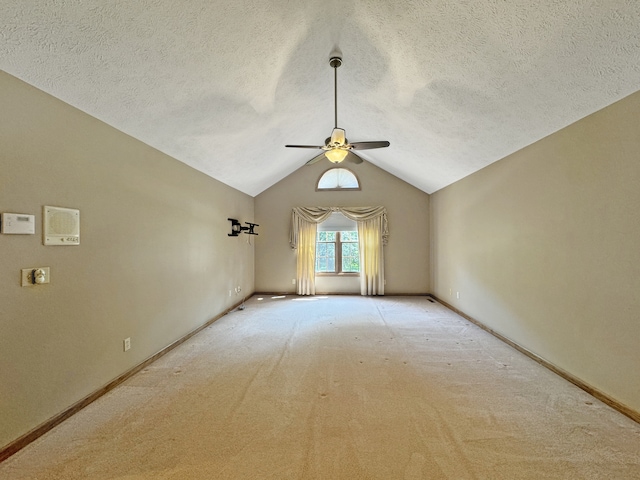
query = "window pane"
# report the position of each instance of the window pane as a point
(326, 256)
(329, 179)
(350, 265)
(346, 179)
(350, 249)
(350, 257)
(331, 249)
(331, 264)
(326, 264)
(330, 236)
(337, 178)
(349, 236)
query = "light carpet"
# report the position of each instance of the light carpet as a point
(341, 387)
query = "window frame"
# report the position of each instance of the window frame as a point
(338, 257)
(334, 189)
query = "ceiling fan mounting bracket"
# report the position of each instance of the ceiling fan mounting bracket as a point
(335, 62)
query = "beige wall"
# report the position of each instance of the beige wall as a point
(154, 261)
(406, 255)
(543, 247)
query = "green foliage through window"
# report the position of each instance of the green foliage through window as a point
(350, 257)
(325, 256)
(337, 252)
(327, 236)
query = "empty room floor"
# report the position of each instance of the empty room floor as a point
(339, 387)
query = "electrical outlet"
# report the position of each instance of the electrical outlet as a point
(457, 294)
(126, 344)
(293, 281)
(28, 280)
(229, 292)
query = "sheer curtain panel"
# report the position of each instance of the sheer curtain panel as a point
(371, 256)
(306, 266)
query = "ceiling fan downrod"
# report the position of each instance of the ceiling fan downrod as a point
(335, 62)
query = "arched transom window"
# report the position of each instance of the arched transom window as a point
(338, 179)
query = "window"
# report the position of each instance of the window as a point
(337, 252)
(338, 179)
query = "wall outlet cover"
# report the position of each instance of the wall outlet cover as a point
(26, 276)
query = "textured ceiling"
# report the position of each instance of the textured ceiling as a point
(224, 85)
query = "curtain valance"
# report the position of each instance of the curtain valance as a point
(320, 214)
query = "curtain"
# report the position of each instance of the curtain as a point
(373, 233)
(306, 268)
(371, 256)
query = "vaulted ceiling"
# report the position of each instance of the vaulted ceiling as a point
(224, 85)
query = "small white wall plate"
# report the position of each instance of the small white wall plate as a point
(61, 226)
(18, 224)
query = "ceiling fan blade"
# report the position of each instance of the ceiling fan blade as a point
(353, 158)
(303, 146)
(369, 145)
(315, 159)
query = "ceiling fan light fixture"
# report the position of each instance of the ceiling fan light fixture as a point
(336, 155)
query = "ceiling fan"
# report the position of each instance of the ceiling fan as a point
(337, 148)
